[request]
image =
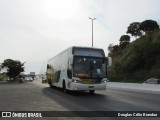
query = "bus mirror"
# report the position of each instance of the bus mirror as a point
(69, 65)
(109, 61)
(69, 74)
(71, 59)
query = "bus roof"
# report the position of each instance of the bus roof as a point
(88, 51)
(84, 51)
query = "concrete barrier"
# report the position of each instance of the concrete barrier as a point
(137, 86)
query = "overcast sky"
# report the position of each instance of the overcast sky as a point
(33, 31)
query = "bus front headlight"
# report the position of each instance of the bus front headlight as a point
(76, 81)
(104, 81)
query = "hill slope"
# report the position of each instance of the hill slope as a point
(139, 61)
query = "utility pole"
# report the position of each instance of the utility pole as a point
(92, 28)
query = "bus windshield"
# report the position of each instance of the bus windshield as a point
(85, 67)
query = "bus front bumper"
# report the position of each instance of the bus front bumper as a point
(86, 87)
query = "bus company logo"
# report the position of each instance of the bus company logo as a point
(6, 114)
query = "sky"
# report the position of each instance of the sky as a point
(34, 31)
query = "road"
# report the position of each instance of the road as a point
(35, 96)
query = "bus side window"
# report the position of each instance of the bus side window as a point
(58, 75)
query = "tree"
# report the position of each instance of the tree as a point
(124, 38)
(13, 67)
(123, 45)
(116, 51)
(110, 47)
(134, 29)
(124, 41)
(149, 25)
(113, 50)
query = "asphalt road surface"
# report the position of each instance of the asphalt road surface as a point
(35, 96)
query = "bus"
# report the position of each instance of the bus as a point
(79, 69)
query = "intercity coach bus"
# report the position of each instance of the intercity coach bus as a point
(79, 69)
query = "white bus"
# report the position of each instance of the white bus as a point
(79, 69)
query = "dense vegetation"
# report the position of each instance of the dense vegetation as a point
(138, 60)
(13, 68)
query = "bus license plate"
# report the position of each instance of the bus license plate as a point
(91, 86)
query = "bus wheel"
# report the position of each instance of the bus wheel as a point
(91, 92)
(64, 87)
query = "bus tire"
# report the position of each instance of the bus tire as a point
(91, 92)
